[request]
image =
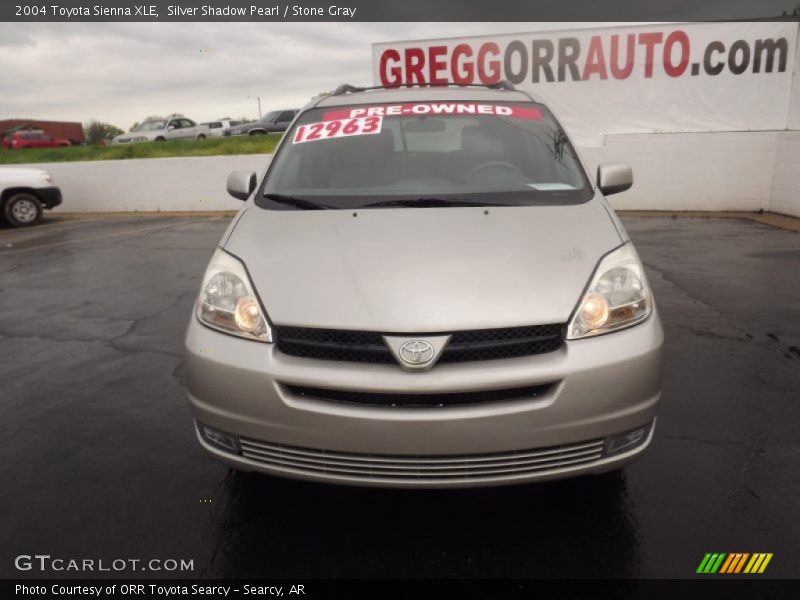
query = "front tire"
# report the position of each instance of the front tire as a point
(23, 210)
(160, 139)
(201, 137)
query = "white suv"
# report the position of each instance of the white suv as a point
(25, 193)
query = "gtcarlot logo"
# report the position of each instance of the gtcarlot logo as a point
(733, 563)
(48, 563)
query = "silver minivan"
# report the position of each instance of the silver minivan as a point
(425, 289)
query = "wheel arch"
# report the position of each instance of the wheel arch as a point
(11, 191)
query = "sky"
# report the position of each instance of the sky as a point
(120, 73)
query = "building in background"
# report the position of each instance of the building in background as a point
(67, 130)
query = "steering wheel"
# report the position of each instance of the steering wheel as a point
(494, 164)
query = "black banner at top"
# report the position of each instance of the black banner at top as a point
(393, 10)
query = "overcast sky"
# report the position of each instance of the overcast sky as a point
(121, 72)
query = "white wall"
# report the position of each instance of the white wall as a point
(672, 171)
(150, 184)
(786, 177)
(692, 171)
(793, 119)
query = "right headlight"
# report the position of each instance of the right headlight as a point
(617, 296)
(228, 301)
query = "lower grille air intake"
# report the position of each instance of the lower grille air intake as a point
(419, 400)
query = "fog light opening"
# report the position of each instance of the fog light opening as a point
(220, 439)
(626, 441)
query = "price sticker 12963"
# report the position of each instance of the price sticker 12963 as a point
(337, 128)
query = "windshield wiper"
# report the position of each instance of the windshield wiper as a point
(300, 203)
(425, 203)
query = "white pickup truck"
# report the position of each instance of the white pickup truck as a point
(25, 193)
(161, 130)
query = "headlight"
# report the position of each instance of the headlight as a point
(228, 301)
(617, 297)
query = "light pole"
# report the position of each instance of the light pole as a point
(259, 104)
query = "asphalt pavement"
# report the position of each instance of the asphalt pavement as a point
(98, 457)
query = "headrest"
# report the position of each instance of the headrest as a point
(482, 142)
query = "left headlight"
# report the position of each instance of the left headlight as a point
(617, 296)
(228, 301)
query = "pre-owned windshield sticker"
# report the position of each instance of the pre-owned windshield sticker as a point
(435, 108)
(337, 128)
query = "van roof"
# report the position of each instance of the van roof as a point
(417, 94)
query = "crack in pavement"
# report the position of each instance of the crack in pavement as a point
(103, 343)
(214, 513)
(745, 336)
(725, 443)
(128, 232)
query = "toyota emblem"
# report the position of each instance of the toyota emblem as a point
(416, 352)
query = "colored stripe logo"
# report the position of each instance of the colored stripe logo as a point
(734, 563)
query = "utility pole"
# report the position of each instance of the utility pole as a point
(259, 104)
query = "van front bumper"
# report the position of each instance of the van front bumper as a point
(597, 413)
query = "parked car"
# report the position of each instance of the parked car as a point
(276, 121)
(425, 289)
(160, 130)
(25, 193)
(32, 139)
(220, 127)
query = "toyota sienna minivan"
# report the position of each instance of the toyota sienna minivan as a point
(425, 289)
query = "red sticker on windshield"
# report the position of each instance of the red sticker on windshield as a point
(436, 108)
(336, 128)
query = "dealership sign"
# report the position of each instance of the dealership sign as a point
(642, 79)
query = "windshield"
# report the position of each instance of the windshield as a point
(151, 126)
(269, 117)
(425, 154)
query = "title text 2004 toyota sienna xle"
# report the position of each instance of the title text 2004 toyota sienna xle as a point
(425, 290)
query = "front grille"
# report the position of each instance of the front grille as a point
(492, 344)
(464, 346)
(432, 468)
(419, 400)
(333, 344)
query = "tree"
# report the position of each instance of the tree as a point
(794, 13)
(147, 118)
(95, 131)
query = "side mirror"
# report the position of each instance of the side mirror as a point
(613, 178)
(241, 184)
(170, 127)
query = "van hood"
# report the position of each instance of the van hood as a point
(422, 270)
